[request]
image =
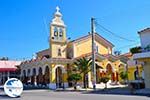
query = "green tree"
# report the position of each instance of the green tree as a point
(83, 65)
(74, 78)
(4, 58)
(135, 50)
(104, 80)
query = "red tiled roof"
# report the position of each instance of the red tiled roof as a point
(87, 36)
(60, 58)
(90, 54)
(45, 50)
(110, 55)
(127, 54)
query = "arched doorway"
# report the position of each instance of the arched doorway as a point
(47, 75)
(33, 78)
(110, 73)
(40, 77)
(24, 78)
(59, 77)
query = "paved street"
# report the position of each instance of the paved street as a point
(50, 95)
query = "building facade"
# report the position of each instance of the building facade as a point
(144, 56)
(52, 66)
(135, 68)
(9, 69)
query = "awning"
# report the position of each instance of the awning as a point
(6, 66)
(8, 69)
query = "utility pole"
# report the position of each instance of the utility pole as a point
(93, 53)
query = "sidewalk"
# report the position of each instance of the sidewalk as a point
(143, 92)
(98, 87)
(111, 89)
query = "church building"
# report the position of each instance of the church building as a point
(52, 66)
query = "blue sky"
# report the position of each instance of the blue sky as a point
(24, 24)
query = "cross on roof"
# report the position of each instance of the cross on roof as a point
(57, 9)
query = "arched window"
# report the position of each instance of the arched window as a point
(24, 73)
(55, 31)
(60, 32)
(34, 71)
(95, 47)
(28, 72)
(59, 52)
(40, 71)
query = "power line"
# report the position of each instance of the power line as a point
(112, 33)
(102, 28)
(126, 46)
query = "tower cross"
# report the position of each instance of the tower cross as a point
(57, 9)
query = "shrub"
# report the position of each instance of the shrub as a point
(74, 78)
(104, 80)
(124, 75)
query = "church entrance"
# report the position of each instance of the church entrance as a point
(59, 78)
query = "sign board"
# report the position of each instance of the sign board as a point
(13, 87)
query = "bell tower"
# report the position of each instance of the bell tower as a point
(58, 36)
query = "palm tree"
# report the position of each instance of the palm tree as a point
(83, 65)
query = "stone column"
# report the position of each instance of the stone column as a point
(117, 77)
(35, 80)
(52, 84)
(90, 79)
(2, 77)
(8, 75)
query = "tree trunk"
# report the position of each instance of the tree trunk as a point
(84, 80)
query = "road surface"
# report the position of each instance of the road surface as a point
(51, 95)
